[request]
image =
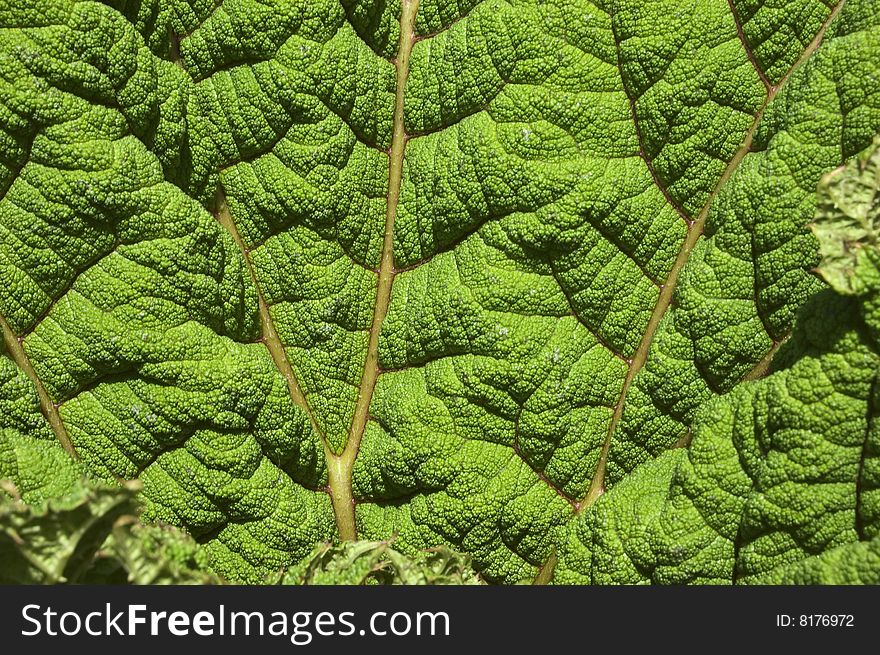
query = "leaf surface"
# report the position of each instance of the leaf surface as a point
(781, 483)
(442, 269)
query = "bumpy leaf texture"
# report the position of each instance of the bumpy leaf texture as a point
(375, 562)
(56, 541)
(84, 533)
(441, 269)
(781, 483)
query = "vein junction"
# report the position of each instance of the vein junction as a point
(340, 466)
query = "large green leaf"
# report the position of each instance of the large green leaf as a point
(446, 270)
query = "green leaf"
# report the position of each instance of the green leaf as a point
(318, 271)
(857, 563)
(375, 562)
(56, 541)
(150, 554)
(780, 484)
(56, 526)
(36, 469)
(847, 224)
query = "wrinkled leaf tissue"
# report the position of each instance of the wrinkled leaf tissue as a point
(532, 281)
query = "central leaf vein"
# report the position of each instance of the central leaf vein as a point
(340, 466)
